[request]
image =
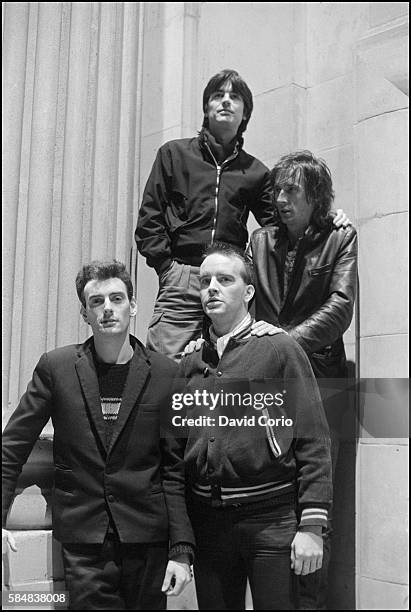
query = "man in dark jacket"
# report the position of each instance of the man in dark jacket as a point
(306, 278)
(200, 190)
(306, 267)
(118, 501)
(257, 453)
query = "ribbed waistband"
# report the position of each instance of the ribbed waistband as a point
(288, 499)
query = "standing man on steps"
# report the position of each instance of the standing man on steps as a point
(200, 190)
(119, 492)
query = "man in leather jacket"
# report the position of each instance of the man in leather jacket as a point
(306, 276)
(306, 268)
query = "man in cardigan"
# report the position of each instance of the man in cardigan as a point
(118, 504)
(258, 495)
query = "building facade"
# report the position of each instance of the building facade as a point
(91, 90)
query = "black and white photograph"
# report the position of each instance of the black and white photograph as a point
(205, 306)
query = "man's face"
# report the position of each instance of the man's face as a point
(291, 201)
(224, 294)
(225, 108)
(108, 308)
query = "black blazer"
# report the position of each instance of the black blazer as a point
(139, 478)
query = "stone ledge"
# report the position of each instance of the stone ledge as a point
(37, 560)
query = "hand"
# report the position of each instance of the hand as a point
(193, 345)
(176, 578)
(341, 219)
(7, 540)
(262, 328)
(306, 553)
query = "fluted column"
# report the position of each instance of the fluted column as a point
(71, 119)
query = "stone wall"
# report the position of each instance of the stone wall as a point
(92, 90)
(381, 148)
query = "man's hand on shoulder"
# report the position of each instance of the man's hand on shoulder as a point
(193, 345)
(262, 328)
(341, 219)
(176, 578)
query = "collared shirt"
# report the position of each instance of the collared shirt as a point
(220, 342)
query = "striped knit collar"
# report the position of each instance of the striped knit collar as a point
(242, 330)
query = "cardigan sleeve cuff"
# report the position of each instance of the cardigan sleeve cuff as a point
(182, 549)
(314, 516)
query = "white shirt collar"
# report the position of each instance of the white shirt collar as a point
(220, 342)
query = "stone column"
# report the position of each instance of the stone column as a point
(71, 119)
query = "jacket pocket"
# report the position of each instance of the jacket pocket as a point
(164, 274)
(175, 213)
(174, 276)
(63, 480)
(155, 319)
(271, 437)
(320, 270)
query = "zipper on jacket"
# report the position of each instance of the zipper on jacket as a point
(216, 203)
(217, 186)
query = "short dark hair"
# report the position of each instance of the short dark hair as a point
(229, 250)
(102, 270)
(316, 178)
(238, 85)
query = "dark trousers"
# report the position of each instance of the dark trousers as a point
(114, 576)
(234, 544)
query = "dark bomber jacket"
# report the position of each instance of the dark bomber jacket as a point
(236, 464)
(318, 306)
(190, 201)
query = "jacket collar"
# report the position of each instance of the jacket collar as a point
(208, 144)
(241, 331)
(210, 352)
(137, 376)
(312, 234)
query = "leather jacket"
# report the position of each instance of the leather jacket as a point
(318, 306)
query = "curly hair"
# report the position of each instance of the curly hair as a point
(102, 270)
(316, 178)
